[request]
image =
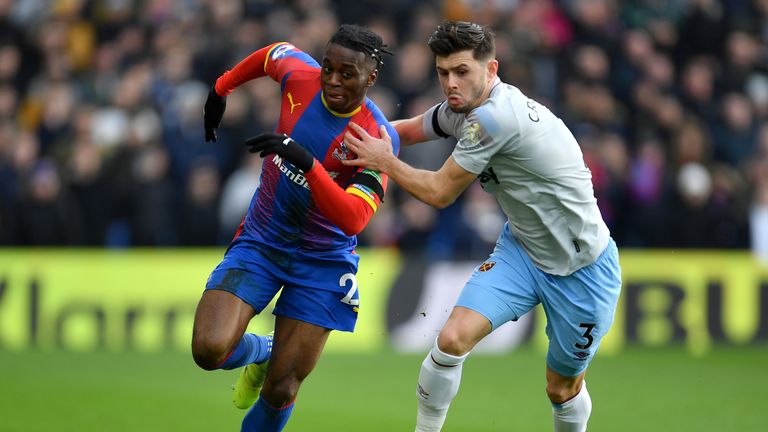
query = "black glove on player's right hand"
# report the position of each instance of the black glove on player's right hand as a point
(213, 111)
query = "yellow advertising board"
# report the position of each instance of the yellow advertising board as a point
(145, 300)
(691, 298)
(141, 299)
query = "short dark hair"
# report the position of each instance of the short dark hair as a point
(362, 40)
(454, 36)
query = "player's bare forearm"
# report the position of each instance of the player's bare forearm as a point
(424, 185)
(410, 130)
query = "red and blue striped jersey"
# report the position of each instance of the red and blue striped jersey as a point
(282, 213)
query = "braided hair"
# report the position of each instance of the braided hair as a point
(362, 40)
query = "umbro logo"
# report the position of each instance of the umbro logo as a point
(581, 355)
(422, 393)
(487, 266)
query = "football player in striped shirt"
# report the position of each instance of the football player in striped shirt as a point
(299, 235)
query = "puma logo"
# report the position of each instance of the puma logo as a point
(290, 100)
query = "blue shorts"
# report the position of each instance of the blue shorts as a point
(319, 289)
(579, 307)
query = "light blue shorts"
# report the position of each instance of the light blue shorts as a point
(579, 307)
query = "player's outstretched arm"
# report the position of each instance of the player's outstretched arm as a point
(436, 188)
(249, 68)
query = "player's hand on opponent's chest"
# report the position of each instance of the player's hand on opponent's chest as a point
(283, 146)
(372, 152)
(213, 111)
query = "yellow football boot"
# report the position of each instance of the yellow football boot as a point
(249, 383)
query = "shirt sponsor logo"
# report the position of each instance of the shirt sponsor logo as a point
(295, 176)
(487, 176)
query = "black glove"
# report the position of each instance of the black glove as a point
(212, 113)
(283, 146)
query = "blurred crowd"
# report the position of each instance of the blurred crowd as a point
(101, 132)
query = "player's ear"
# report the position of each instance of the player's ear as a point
(493, 67)
(372, 78)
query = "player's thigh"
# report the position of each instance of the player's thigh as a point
(580, 309)
(220, 319)
(248, 274)
(503, 287)
(322, 291)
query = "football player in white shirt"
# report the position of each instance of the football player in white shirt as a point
(554, 249)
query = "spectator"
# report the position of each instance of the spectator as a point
(44, 218)
(199, 216)
(236, 194)
(100, 112)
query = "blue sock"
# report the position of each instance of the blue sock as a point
(264, 418)
(250, 349)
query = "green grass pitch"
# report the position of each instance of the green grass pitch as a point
(637, 390)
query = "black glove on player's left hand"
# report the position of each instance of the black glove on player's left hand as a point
(283, 146)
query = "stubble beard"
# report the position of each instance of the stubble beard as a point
(466, 107)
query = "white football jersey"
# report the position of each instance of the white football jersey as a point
(528, 159)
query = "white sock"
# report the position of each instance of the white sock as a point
(438, 384)
(572, 416)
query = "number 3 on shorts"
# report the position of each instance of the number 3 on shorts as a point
(352, 290)
(587, 335)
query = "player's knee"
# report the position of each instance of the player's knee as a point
(209, 353)
(562, 391)
(451, 342)
(281, 392)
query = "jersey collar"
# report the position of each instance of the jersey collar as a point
(337, 114)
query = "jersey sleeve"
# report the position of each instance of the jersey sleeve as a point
(368, 184)
(351, 208)
(479, 140)
(285, 58)
(276, 60)
(349, 211)
(440, 122)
